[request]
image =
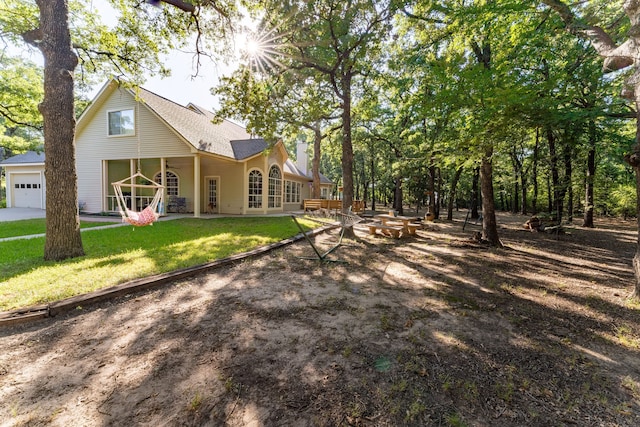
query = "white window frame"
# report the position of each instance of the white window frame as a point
(109, 113)
(207, 191)
(172, 190)
(275, 188)
(293, 190)
(255, 190)
(325, 193)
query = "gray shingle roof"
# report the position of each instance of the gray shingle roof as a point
(290, 167)
(194, 124)
(197, 129)
(243, 149)
(26, 158)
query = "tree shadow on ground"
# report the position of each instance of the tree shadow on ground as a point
(419, 331)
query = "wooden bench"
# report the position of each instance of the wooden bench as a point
(332, 205)
(387, 230)
(413, 226)
(407, 228)
(311, 204)
(357, 206)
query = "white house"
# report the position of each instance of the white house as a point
(205, 167)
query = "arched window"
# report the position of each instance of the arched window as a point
(255, 189)
(171, 184)
(275, 187)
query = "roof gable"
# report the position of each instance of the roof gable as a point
(192, 123)
(194, 126)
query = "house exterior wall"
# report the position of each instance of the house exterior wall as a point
(93, 145)
(275, 158)
(230, 176)
(304, 193)
(102, 159)
(256, 163)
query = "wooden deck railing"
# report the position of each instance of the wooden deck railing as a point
(315, 204)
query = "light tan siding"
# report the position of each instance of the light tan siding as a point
(93, 144)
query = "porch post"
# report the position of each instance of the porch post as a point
(105, 186)
(245, 189)
(163, 181)
(196, 186)
(133, 170)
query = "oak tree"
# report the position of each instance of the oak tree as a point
(131, 49)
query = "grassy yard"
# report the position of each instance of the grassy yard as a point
(27, 227)
(121, 254)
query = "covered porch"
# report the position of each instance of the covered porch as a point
(180, 176)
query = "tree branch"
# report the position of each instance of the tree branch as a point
(5, 111)
(421, 18)
(187, 7)
(615, 57)
(33, 37)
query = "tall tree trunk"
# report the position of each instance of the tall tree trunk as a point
(489, 223)
(558, 201)
(373, 179)
(62, 239)
(436, 194)
(452, 193)
(360, 175)
(432, 190)
(634, 161)
(475, 199)
(518, 176)
(397, 196)
(549, 195)
(566, 184)
(590, 178)
(347, 149)
(636, 257)
(534, 173)
(523, 202)
(315, 163)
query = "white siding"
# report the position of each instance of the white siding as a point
(231, 184)
(94, 145)
(152, 142)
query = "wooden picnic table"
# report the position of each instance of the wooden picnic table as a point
(408, 223)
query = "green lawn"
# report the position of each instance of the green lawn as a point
(27, 227)
(117, 255)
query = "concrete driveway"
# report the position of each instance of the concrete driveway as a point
(14, 214)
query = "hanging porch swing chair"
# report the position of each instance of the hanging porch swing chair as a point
(149, 214)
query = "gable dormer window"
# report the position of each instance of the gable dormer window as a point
(122, 122)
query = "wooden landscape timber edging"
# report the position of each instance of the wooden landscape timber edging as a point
(36, 312)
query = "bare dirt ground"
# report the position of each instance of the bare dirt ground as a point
(428, 330)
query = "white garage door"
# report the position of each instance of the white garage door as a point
(27, 190)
